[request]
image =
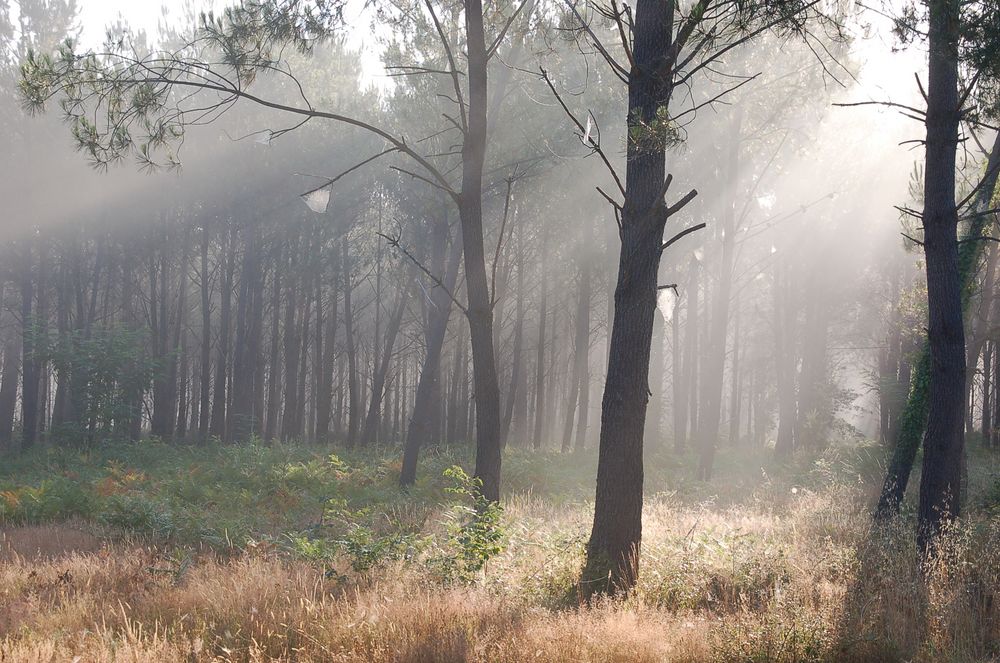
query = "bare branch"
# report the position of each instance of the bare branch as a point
(438, 283)
(681, 234)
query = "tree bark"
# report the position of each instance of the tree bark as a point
(940, 479)
(480, 313)
(426, 405)
(613, 549)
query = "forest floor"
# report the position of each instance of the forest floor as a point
(250, 553)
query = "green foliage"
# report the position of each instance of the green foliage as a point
(108, 370)
(55, 499)
(475, 527)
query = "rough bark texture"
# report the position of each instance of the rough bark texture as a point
(940, 478)
(914, 415)
(480, 312)
(613, 550)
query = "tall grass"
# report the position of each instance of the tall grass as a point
(774, 564)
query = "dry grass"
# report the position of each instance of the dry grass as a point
(791, 576)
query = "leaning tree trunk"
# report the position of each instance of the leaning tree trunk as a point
(940, 479)
(913, 417)
(425, 401)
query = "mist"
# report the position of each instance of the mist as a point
(375, 294)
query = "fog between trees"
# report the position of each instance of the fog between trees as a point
(284, 272)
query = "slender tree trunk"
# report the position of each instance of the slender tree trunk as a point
(581, 347)
(204, 392)
(426, 403)
(683, 357)
(537, 438)
(516, 392)
(370, 430)
(218, 422)
(715, 352)
(735, 382)
(987, 392)
(324, 397)
(480, 313)
(8, 388)
(784, 363)
(354, 397)
(292, 338)
(274, 356)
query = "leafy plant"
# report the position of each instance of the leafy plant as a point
(476, 531)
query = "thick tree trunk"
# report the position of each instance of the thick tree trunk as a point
(613, 550)
(940, 479)
(913, 418)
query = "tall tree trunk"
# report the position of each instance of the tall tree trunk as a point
(426, 402)
(735, 383)
(537, 438)
(613, 550)
(292, 339)
(325, 383)
(274, 356)
(913, 418)
(370, 431)
(583, 408)
(30, 373)
(8, 388)
(517, 389)
(581, 350)
(217, 425)
(940, 479)
(715, 353)
(784, 362)
(205, 372)
(683, 356)
(480, 312)
(987, 392)
(354, 397)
